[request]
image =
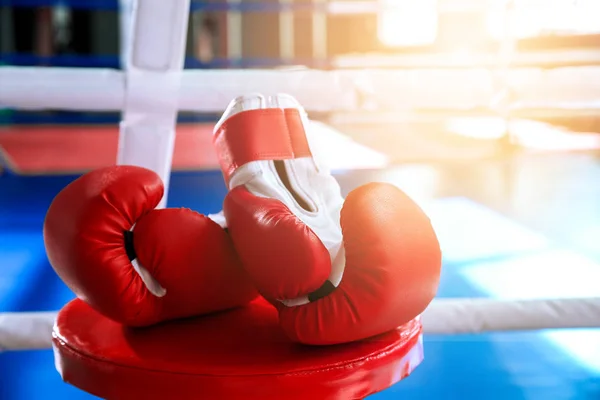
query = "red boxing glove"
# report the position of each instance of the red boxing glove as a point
(134, 264)
(337, 270)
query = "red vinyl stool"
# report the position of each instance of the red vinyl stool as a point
(239, 354)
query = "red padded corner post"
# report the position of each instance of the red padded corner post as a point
(239, 354)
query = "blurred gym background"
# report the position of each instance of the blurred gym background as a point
(487, 112)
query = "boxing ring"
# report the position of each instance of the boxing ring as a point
(153, 87)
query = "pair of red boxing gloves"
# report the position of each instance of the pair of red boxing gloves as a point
(336, 270)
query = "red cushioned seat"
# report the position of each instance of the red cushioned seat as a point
(239, 354)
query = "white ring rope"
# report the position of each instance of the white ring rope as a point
(97, 89)
(32, 331)
(26, 331)
(454, 316)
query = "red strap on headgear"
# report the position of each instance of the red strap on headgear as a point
(262, 134)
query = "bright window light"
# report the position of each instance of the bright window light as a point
(408, 22)
(469, 231)
(531, 18)
(553, 273)
(583, 345)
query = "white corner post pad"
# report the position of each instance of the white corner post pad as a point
(154, 57)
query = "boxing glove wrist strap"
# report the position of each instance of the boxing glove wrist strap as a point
(262, 134)
(151, 284)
